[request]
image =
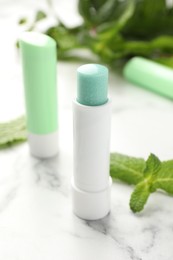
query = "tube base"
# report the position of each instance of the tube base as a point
(91, 205)
(43, 146)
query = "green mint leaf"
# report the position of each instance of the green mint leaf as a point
(127, 169)
(12, 132)
(164, 178)
(22, 21)
(62, 36)
(149, 176)
(85, 7)
(143, 189)
(153, 165)
(40, 15)
(139, 196)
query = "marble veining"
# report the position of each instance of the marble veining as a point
(153, 232)
(36, 207)
(103, 227)
(47, 173)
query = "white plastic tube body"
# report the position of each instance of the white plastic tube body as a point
(43, 146)
(91, 182)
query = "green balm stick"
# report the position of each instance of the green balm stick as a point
(39, 69)
(150, 75)
(39, 60)
(92, 84)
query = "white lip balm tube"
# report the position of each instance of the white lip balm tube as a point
(91, 182)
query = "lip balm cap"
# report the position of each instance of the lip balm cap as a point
(150, 75)
(92, 84)
(38, 53)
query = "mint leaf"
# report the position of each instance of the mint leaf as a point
(127, 169)
(64, 38)
(164, 178)
(22, 21)
(153, 165)
(12, 132)
(149, 176)
(140, 196)
(142, 191)
(40, 15)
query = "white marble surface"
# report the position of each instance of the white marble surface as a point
(36, 221)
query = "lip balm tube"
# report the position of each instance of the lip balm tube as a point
(91, 182)
(150, 75)
(39, 55)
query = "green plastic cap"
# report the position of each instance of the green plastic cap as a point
(150, 75)
(39, 60)
(92, 84)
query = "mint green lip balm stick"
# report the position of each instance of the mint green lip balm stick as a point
(39, 55)
(150, 75)
(91, 182)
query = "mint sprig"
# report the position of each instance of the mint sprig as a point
(109, 30)
(12, 132)
(148, 176)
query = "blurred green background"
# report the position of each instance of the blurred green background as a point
(116, 30)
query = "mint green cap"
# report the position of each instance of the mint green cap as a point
(39, 59)
(92, 84)
(150, 75)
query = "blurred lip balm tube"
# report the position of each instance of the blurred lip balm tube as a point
(38, 52)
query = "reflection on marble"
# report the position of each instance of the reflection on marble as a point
(36, 219)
